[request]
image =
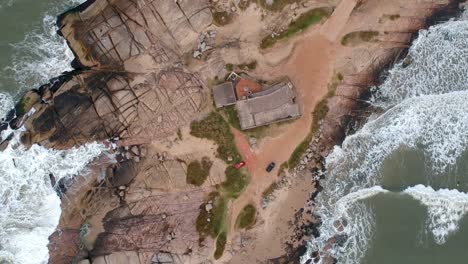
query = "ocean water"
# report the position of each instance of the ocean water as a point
(30, 54)
(399, 186)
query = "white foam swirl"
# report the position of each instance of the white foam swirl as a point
(29, 208)
(435, 64)
(445, 209)
(6, 104)
(359, 224)
(436, 124)
(426, 102)
(42, 54)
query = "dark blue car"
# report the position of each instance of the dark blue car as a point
(270, 167)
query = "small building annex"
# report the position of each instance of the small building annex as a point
(257, 106)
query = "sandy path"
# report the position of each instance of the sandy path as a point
(310, 69)
(335, 24)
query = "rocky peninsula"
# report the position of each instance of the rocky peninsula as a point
(142, 83)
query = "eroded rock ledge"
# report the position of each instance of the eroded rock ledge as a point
(130, 84)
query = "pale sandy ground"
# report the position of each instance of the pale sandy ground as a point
(310, 67)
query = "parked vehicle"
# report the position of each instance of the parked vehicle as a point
(239, 165)
(270, 167)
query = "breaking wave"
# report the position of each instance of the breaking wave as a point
(344, 217)
(445, 209)
(29, 207)
(42, 54)
(434, 65)
(426, 102)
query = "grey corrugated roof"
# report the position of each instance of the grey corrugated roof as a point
(272, 105)
(224, 94)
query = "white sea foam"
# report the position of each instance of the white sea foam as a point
(435, 65)
(445, 209)
(436, 124)
(29, 208)
(43, 54)
(359, 224)
(40, 56)
(426, 102)
(6, 104)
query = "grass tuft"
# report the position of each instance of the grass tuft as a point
(235, 183)
(268, 191)
(215, 128)
(305, 20)
(357, 37)
(221, 18)
(197, 171)
(246, 217)
(319, 113)
(212, 223)
(220, 245)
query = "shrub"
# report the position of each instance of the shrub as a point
(246, 217)
(235, 183)
(305, 20)
(217, 216)
(215, 128)
(357, 37)
(197, 172)
(220, 245)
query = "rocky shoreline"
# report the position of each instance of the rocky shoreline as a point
(353, 116)
(135, 88)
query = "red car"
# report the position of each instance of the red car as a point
(239, 165)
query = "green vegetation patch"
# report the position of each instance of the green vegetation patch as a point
(215, 128)
(197, 171)
(229, 67)
(246, 217)
(212, 222)
(305, 20)
(268, 191)
(320, 111)
(221, 18)
(235, 183)
(230, 114)
(220, 245)
(250, 66)
(358, 37)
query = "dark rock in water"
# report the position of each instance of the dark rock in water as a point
(4, 143)
(341, 239)
(61, 186)
(3, 126)
(315, 254)
(53, 181)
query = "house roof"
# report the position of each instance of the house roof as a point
(224, 94)
(245, 87)
(271, 105)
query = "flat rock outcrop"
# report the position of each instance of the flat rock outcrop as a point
(130, 82)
